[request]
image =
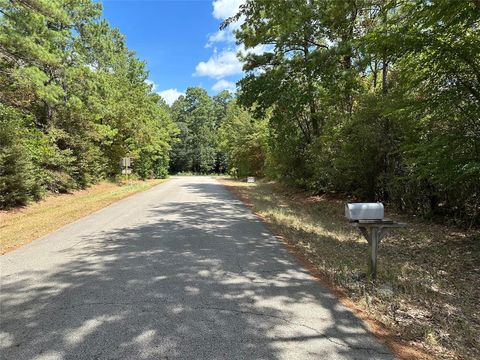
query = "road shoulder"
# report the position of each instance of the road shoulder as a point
(399, 347)
(24, 225)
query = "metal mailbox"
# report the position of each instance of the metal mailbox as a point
(364, 211)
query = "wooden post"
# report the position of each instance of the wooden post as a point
(373, 252)
(374, 231)
(126, 172)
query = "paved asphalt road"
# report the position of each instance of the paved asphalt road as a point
(183, 271)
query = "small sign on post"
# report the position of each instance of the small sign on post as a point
(125, 163)
(250, 179)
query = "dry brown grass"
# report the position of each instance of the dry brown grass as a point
(428, 287)
(20, 226)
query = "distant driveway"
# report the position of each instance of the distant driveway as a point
(183, 271)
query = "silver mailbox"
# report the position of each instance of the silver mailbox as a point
(364, 211)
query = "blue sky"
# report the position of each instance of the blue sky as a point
(180, 41)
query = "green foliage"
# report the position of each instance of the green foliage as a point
(17, 183)
(376, 99)
(197, 116)
(74, 101)
(244, 142)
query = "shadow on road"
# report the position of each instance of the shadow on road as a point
(195, 279)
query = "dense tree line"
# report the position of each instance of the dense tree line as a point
(217, 135)
(379, 99)
(73, 101)
(198, 117)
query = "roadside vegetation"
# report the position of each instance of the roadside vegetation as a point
(74, 100)
(425, 293)
(22, 225)
(377, 99)
(368, 100)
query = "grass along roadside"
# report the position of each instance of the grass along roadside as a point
(427, 290)
(20, 226)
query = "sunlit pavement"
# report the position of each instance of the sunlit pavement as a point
(180, 271)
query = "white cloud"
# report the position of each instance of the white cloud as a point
(220, 36)
(261, 49)
(170, 95)
(223, 9)
(223, 63)
(220, 65)
(224, 85)
(151, 83)
(226, 35)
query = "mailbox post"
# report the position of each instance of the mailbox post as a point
(368, 218)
